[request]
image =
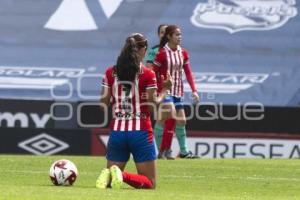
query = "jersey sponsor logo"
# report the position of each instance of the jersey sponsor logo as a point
(130, 116)
(43, 144)
(76, 15)
(241, 15)
(209, 82)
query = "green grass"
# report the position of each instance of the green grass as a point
(26, 177)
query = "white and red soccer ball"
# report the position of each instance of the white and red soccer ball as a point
(63, 172)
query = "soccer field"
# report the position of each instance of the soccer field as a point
(26, 177)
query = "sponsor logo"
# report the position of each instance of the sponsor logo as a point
(207, 82)
(245, 148)
(36, 77)
(240, 15)
(40, 72)
(43, 144)
(23, 120)
(74, 15)
(104, 139)
(236, 147)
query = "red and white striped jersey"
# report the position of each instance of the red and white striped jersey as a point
(129, 106)
(174, 61)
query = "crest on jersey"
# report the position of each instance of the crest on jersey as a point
(240, 15)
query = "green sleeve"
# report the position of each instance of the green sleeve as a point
(151, 55)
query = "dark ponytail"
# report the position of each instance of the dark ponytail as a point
(168, 32)
(159, 27)
(128, 62)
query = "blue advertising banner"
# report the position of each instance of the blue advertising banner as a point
(241, 51)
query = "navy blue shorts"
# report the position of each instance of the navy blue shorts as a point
(123, 143)
(178, 101)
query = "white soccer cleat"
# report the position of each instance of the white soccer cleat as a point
(103, 179)
(116, 177)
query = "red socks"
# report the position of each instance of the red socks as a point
(168, 134)
(137, 181)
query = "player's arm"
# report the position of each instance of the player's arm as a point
(105, 96)
(106, 90)
(189, 77)
(150, 65)
(157, 64)
(155, 99)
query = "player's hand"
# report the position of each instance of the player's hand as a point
(168, 82)
(196, 97)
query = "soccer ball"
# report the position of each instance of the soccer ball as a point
(63, 172)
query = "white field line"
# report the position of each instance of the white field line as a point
(228, 177)
(255, 178)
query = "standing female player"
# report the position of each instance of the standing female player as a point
(153, 51)
(174, 59)
(132, 88)
(169, 125)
